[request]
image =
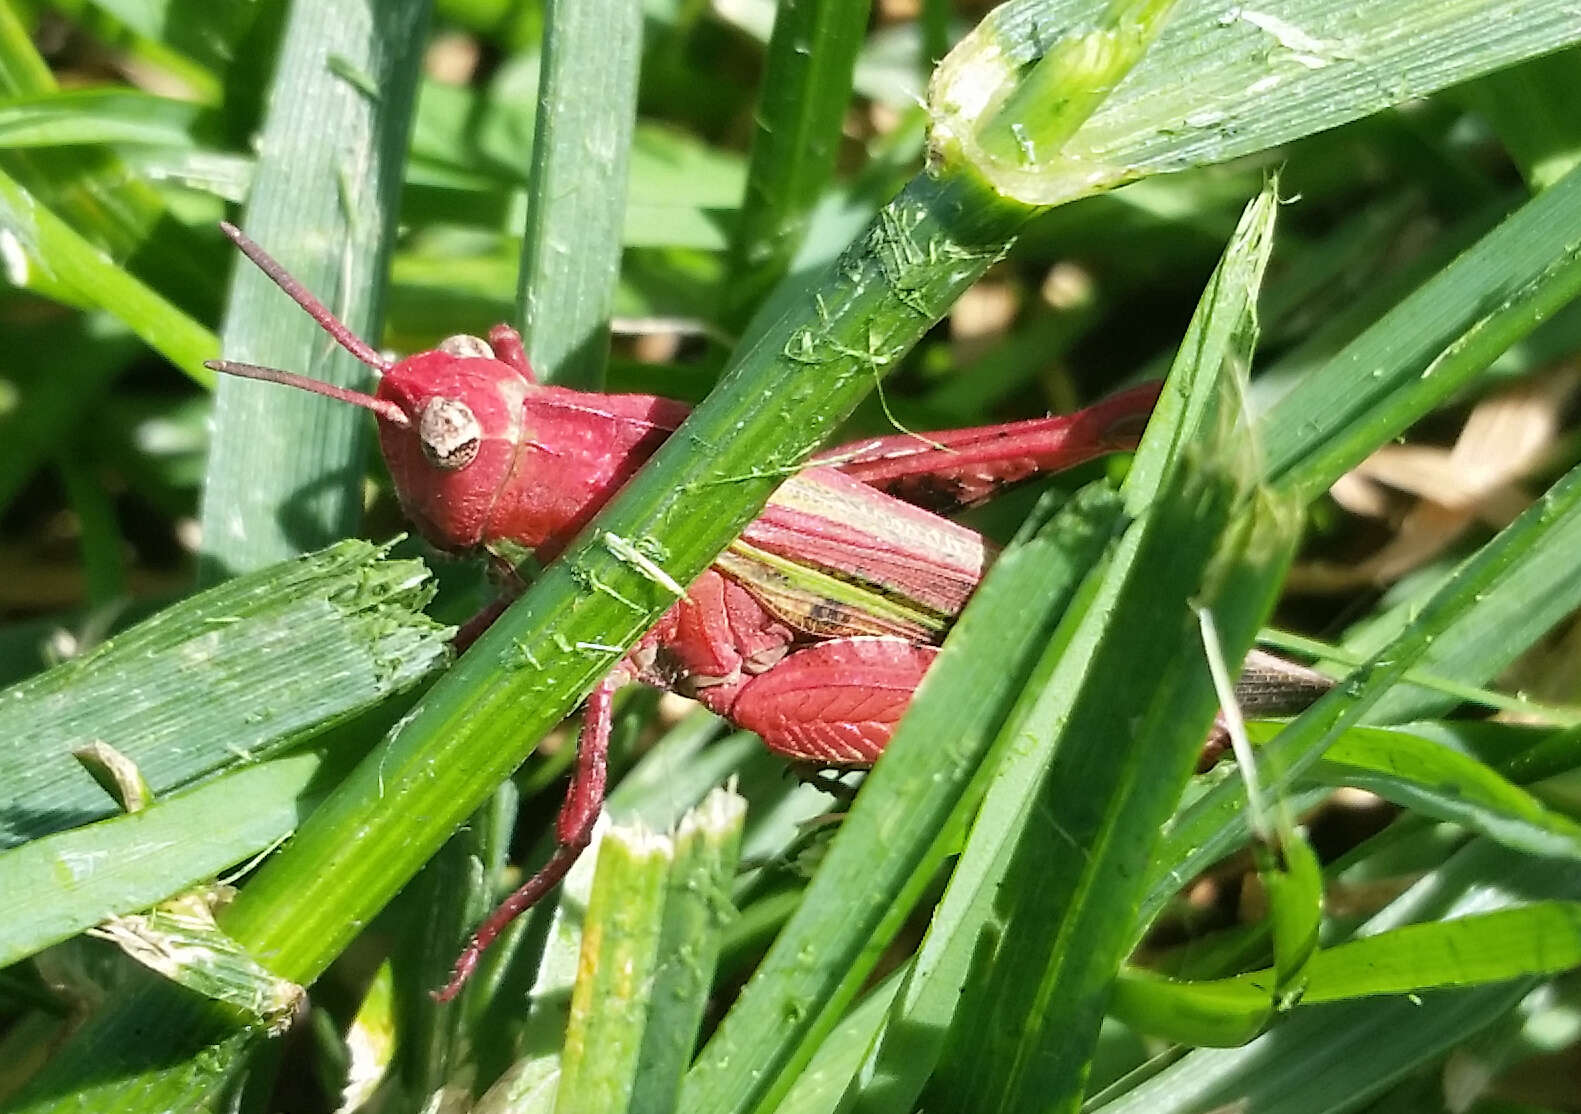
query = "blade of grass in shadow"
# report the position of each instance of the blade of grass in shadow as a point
(1430, 345)
(1528, 107)
(431, 918)
(285, 467)
(587, 106)
(100, 547)
(85, 354)
(802, 101)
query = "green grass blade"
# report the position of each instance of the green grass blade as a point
(1218, 339)
(96, 116)
(22, 68)
(609, 1005)
(1543, 938)
(431, 919)
(648, 945)
(70, 881)
(1223, 83)
(696, 908)
(1539, 939)
(285, 467)
(41, 252)
(1490, 634)
(1337, 1056)
(1435, 780)
(577, 190)
(232, 674)
(1429, 346)
(1211, 825)
(821, 1088)
(803, 98)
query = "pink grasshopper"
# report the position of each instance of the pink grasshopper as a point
(813, 629)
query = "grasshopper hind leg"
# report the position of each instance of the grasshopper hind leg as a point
(835, 703)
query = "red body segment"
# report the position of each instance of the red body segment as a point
(548, 457)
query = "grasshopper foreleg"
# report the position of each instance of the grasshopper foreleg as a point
(573, 829)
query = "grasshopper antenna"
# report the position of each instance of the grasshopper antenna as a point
(384, 408)
(299, 294)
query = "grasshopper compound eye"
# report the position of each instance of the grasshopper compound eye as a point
(450, 433)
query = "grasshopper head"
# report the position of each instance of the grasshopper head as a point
(449, 419)
(457, 447)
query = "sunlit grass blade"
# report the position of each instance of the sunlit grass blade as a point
(285, 467)
(1481, 948)
(696, 910)
(1435, 780)
(1337, 1056)
(1219, 341)
(41, 252)
(587, 103)
(609, 1005)
(126, 863)
(233, 674)
(1220, 83)
(651, 933)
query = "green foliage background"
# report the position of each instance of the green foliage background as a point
(1334, 227)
